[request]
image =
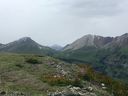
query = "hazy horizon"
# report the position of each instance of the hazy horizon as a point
(50, 22)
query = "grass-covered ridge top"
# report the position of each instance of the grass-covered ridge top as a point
(40, 75)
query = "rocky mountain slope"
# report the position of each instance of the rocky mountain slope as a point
(35, 75)
(108, 55)
(89, 41)
(99, 42)
(26, 45)
(119, 41)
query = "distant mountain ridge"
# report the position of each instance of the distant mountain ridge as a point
(56, 47)
(98, 42)
(26, 45)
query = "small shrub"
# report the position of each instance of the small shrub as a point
(77, 83)
(61, 81)
(19, 66)
(33, 60)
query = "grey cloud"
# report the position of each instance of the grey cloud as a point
(92, 7)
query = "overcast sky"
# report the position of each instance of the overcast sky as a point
(61, 21)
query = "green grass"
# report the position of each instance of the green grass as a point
(35, 74)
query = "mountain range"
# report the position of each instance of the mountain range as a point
(108, 55)
(26, 44)
(99, 42)
(90, 66)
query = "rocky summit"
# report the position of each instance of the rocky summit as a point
(98, 42)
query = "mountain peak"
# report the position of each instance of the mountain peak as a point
(87, 40)
(56, 47)
(25, 38)
(89, 36)
(25, 45)
(125, 35)
(98, 42)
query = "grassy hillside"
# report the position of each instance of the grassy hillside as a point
(112, 62)
(35, 75)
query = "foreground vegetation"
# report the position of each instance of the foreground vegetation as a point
(35, 75)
